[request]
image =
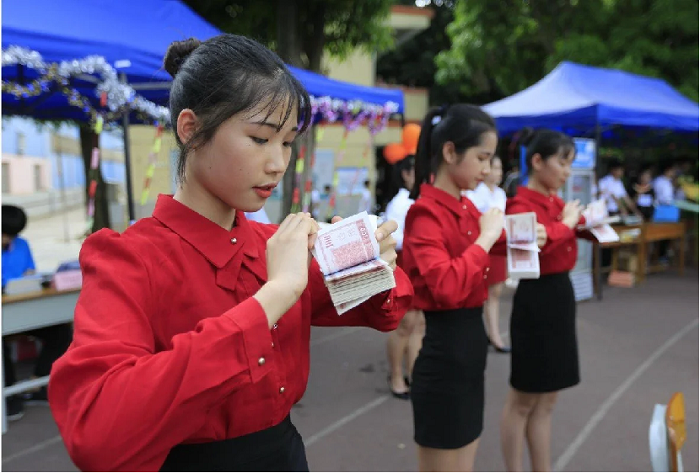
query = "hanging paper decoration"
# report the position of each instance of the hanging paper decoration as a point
(93, 174)
(152, 159)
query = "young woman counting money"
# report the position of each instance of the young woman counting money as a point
(192, 328)
(544, 358)
(446, 255)
(404, 342)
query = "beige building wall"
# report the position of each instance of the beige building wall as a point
(23, 175)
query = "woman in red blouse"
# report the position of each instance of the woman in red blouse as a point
(544, 358)
(192, 328)
(446, 256)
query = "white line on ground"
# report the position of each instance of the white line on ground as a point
(571, 450)
(32, 449)
(341, 422)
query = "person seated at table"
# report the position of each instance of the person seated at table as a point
(643, 194)
(613, 190)
(17, 261)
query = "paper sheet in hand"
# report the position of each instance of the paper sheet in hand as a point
(348, 254)
(522, 251)
(605, 234)
(596, 214)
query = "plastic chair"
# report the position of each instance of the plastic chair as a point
(667, 434)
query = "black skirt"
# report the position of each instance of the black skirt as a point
(447, 385)
(543, 335)
(279, 448)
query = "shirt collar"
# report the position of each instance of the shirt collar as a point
(214, 242)
(537, 197)
(458, 207)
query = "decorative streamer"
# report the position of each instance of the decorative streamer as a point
(152, 160)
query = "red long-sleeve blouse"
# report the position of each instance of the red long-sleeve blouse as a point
(170, 346)
(446, 268)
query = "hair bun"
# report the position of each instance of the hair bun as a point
(525, 136)
(177, 52)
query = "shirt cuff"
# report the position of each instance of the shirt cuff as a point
(251, 319)
(480, 256)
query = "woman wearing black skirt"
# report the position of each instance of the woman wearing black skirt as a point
(544, 357)
(446, 246)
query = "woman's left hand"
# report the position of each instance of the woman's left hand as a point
(541, 235)
(387, 243)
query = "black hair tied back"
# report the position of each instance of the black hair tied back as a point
(461, 124)
(178, 51)
(547, 143)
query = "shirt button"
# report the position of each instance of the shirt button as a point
(273, 344)
(469, 232)
(487, 269)
(388, 301)
(274, 327)
(261, 361)
(282, 390)
(233, 240)
(568, 248)
(464, 207)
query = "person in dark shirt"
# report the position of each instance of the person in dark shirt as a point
(643, 194)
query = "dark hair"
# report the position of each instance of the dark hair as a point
(615, 163)
(406, 164)
(666, 165)
(13, 220)
(226, 75)
(461, 124)
(545, 142)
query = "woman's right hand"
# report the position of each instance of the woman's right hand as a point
(571, 213)
(490, 228)
(288, 260)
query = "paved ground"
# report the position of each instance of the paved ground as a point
(637, 346)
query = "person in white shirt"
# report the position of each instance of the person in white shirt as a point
(407, 339)
(366, 200)
(663, 185)
(613, 191)
(488, 195)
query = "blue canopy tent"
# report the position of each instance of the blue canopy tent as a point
(131, 34)
(583, 98)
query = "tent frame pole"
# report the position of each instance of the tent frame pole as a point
(127, 161)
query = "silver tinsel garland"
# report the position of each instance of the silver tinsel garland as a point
(122, 96)
(119, 95)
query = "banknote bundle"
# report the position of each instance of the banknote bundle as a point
(348, 254)
(522, 251)
(598, 222)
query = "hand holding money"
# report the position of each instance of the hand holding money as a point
(571, 213)
(523, 238)
(491, 224)
(541, 235)
(387, 243)
(355, 257)
(287, 255)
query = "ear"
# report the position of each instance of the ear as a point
(449, 153)
(186, 125)
(537, 162)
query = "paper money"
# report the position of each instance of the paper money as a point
(522, 251)
(348, 255)
(596, 214)
(605, 234)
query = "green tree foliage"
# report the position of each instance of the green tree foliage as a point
(301, 30)
(412, 63)
(499, 48)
